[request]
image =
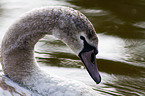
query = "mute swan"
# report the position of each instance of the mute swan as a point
(17, 50)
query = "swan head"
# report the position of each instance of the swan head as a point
(79, 34)
(86, 49)
(88, 57)
(88, 53)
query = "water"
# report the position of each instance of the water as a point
(120, 26)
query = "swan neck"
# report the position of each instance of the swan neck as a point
(17, 51)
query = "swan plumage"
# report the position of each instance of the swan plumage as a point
(66, 24)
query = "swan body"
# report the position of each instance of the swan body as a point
(17, 50)
(10, 88)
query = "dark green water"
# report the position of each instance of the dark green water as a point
(120, 25)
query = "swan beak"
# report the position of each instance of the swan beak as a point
(89, 60)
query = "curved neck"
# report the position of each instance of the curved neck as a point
(18, 44)
(18, 60)
(17, 49)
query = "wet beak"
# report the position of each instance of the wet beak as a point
(89, 60)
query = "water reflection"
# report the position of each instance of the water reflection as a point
(120, 17)
(131, 51)
(135, 50)
(127, 86)
(124, 9)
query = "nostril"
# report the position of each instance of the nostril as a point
(93, 58)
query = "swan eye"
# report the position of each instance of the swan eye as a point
(82, 37)
(89, 35)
